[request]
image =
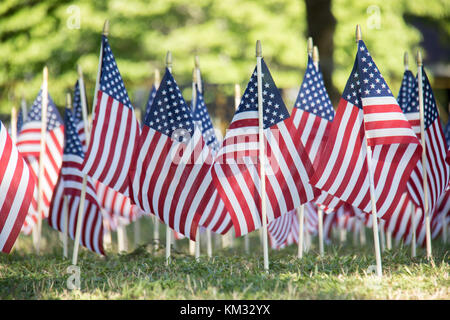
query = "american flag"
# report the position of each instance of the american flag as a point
(78, 115)
(202, 118)
(170, 173)
(312, 116)
(367, 109)
(28, 144)
(17, 184)
(115, 130)
(438, 171)
(70, 185)
(148, 106)
(236, 169)
(117, 207)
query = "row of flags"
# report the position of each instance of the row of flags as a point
(173, 166)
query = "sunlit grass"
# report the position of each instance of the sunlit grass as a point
(230, 274)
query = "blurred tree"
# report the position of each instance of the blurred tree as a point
(63, 33)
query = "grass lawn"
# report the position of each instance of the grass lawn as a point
(141, 274)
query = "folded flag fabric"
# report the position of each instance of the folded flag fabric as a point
(17, 183)
(29, 145)
(170, 173)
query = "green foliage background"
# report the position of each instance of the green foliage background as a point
(223, 33)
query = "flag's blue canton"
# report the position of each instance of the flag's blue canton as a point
(77, 112)
(111, 81)
(151, 97)
(19, 121)
(53, 118)
(201, 115)
(72, 141)
(406, 89)
(169, 111)
(313, 96)
(365, 81)
(429, 103)
(274, 109)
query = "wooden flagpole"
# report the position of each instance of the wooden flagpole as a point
(168, 230)
(424, 154)
(14, 124)
(156, 82)
(310, 46)
(319, 211)
(65, 203)
(362, 233)
(84, 183)
(200, 89)
(413, 210)
(195, 245)
(66, 228)
(300, 210)
(23, 106)
(262, 168)
(413, 226)
(41, 156)
(301, 220)
(373, 200)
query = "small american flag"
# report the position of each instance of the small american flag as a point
(438, 171)
(28, 144)
(236, 167)
(312, 116)
(17, 184)
(367, 109)
(170, 173)
(115, 130)
(70, 185)
(78, 115)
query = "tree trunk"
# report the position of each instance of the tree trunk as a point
(321, 27)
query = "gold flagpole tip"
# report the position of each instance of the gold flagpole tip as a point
(419, 58)
(45, 73)
(315, 54)
(258, 48)
(197, 62)
(68, 100)
(80, 71)
(106, 28)
(406, 61)
(169, 59)
(358, 33)
(310, 46)
(157, 76)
